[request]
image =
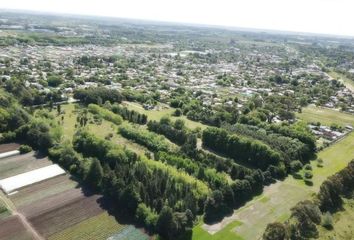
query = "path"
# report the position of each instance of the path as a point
(28, 226)
(9, 204)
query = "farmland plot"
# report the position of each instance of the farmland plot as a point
(101, 226)
(12, 228)
(39, 191)
(60, 211)
(21, 163)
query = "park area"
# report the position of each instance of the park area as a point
(57, 207)
(274, 204)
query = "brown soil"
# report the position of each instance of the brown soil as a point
(12, 228)
(55, 213)
(7, 147)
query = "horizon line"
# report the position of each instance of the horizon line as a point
(167, 22)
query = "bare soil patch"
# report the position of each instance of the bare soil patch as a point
(12, 228)
(60, 211)
(7, 147)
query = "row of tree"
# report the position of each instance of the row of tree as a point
(129, 115)
(98, 95)
(175, 132)
(150, 140)
(290, 148)
(240, 148)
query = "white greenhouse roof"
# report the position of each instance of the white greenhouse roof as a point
(9, 154)
(16, 182)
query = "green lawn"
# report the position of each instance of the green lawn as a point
(325, 116)
(226, 233)
(343, 227)
(101, 130)
(349, 83)
(277, 199)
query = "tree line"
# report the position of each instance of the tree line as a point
(240, 148)
(165, 200)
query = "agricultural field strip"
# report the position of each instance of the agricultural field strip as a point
(15, 165)
(100, 226)
(42, 190)
(12, 228)
(58, 219)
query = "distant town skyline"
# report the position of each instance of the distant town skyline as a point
(309, 16)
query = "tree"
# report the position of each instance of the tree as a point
(59, 109)
(95, 174)
(166, 224)
(38, 135)
(177, 112)
(327, 220)
(54, 81)
(275, 231)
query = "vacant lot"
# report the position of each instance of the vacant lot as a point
(275, 202)
(325, 116)
(12, 166)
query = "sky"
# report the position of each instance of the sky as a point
(314, 16)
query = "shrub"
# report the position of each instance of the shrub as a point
(275, 231)
(295, 166)
(25, 149)
(327, 221)
(308, 167)
(177, 112)
(308, 174)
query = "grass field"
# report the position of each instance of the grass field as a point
(349, 83)
(277, 199)
(325, 116)
(4, 212)
(343, 227)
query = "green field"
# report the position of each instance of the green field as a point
(277, 199)
(101, 130)
(325, 116)
(227, 233)
(343, 227)
(164, 111)
(349, 83)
